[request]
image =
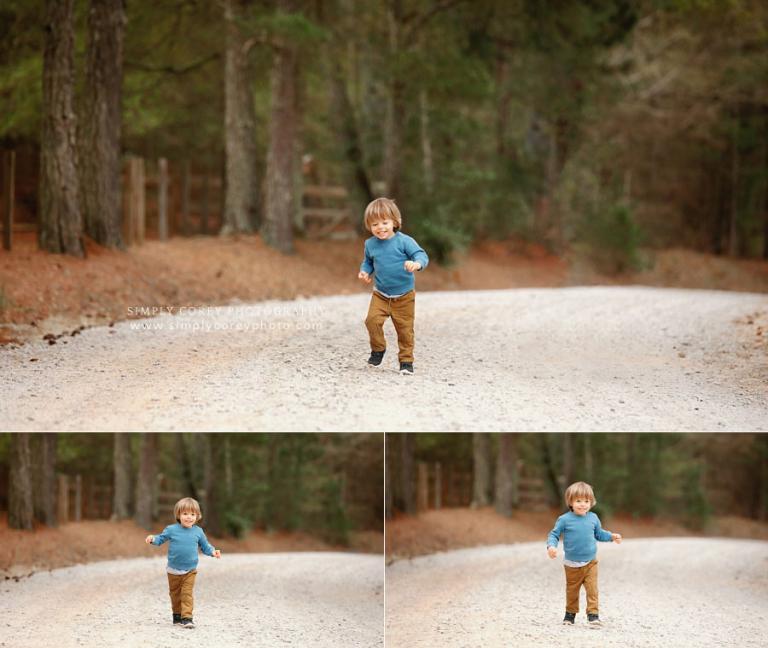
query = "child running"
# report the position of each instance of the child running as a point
(185, 538)
(392, 257)
(581, 530)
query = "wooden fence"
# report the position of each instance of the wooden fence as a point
(162, 199)
(445, 485)
(83, 498)
(80, 498)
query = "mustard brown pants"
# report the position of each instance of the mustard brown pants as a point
(575, 577)
(402, 310)
(180, 589)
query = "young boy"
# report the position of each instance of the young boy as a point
(581, 529)
(185, 537)
(392, 257)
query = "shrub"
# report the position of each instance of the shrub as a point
(611, 238)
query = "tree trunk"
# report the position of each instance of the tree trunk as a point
(241, 194)
(506, 474)
(568, 468)
(761, 512)
(733, 222)
(121, 453)
(61, 224)
(632, 482)
(407, 490)
(549, 467)
(280, 203)
(389, 481)
(764, 163)
(209, 503)
(347, 133)
(228, 483)
(481, 458)
(395, 116)
(20, 506)
(145, 488)
(45, 482)
(187, 469)
(503, 102)
(588, 457)
(427, 164)
(100, 125)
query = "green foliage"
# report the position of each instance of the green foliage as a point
(696, 507)
(529, 103)
(236, 524)
(20, 98)
(440, 233)
(336, 525)
(325, 485)
(84, 454)
(295, 28)
(4, 300)
(455, 448)
(611, 238)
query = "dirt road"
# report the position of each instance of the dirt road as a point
(681, 592)
(254, 600)
(583, 359)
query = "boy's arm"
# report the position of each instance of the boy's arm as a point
(416, 253)
(601, 534)
(367, 265)
(160, 538)
(554, 535)
(205, 546)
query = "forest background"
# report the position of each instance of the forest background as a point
(446, 491)
(77, 497)
(599, 130)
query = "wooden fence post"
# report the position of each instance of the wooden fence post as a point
(135, 203)
(162, 199)
(422, 501)
(62, 509)
(141, 204)
(78, 498)
(9, 185)
(205, 207)
(185, 190)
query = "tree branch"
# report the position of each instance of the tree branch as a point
(170, 69)
(419, 20)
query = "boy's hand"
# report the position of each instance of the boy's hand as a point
(364, 276)
(552, 551)
(149, 539)
(616, 537)
(412, 266)
(217, 553)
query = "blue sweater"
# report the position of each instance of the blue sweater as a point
(581, 535)
(385, 259)
(182, 554)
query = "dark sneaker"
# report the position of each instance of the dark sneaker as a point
(569, 619)
(187, 622)
(406, 368)
(376, 358)
(594, 620)
(176, 618)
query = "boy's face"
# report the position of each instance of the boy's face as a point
(188, 518)
(383, 229)
(581, 505)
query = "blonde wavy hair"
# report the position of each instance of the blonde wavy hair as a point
(579, 489)
(382, 209)
(187, 505)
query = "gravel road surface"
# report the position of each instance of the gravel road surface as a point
(255, 600)
(582, 359)
(677, 592)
